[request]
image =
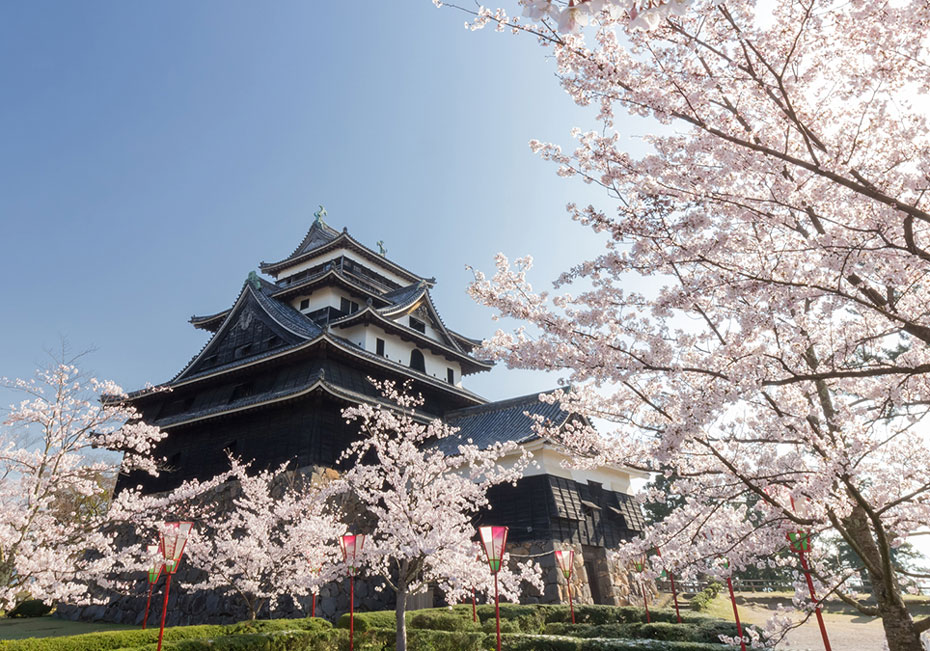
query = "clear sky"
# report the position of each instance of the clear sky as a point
(151, 154)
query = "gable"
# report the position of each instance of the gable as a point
(248, 331)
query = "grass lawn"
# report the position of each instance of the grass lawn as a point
(50, 626)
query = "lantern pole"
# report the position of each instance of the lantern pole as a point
(474, 607)
(154, 573)
(800, 544)
(671, 578)
(172, 541)
(494, 540)
(739, 626)
(351, 546)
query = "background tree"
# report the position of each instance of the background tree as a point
(422, 498)
(782, 217)
(56, 480)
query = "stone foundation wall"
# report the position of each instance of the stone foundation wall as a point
(619, 585)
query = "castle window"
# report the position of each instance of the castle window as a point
(174, 460)
(347, 306)
(417, 362)
(379, 346)
(418, 325)
(304, 304)
(231, 447)
(450, 376)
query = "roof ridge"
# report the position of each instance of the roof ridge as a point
(500, 405)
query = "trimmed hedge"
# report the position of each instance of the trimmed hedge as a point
(105, 641)
(377, 619)
(549, 643)
(599, 628)
(706, 632)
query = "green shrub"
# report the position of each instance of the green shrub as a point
(524, 642)
(265, 625)
(645, 645)
(370, 620)
(423, 640)
(702, 599)
(30, 608)
(588, 630)
(105, 641)
(434, 620)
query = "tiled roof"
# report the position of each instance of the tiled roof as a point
(405, 295)
(288, 317)
(276, 384)
(320, 233)
(499, 422)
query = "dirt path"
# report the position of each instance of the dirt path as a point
(846, 632)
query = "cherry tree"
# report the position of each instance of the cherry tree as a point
(780, 354)
(421, 498)
(258, 535)
(56, 480)
(269, 542)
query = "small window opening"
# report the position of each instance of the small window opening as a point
(304, 304)
(379, 346)
(243, 351)
(450, 376)
(418, 325)
(347, 306)
(417, 362)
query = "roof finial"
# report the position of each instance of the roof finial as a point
(254, 280)
(381, 249)
(320, 214)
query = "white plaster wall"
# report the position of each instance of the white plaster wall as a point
(332, 255)
(431, 332)
(549, 461)
(399, 351)
(327, 296)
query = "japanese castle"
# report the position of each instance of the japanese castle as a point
(299, 344)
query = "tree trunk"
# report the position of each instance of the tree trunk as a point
(401, 621)
(896, 620)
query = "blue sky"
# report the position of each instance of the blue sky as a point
(151, 154)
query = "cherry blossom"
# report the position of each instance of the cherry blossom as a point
(779, 347)
(421, 499)
(56, 480)
(275, 539)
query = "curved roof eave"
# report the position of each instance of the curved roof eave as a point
(274, 268)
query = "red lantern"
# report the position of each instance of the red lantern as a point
(172, 540)
(494, 539)
(565, 561)
(351, 548)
